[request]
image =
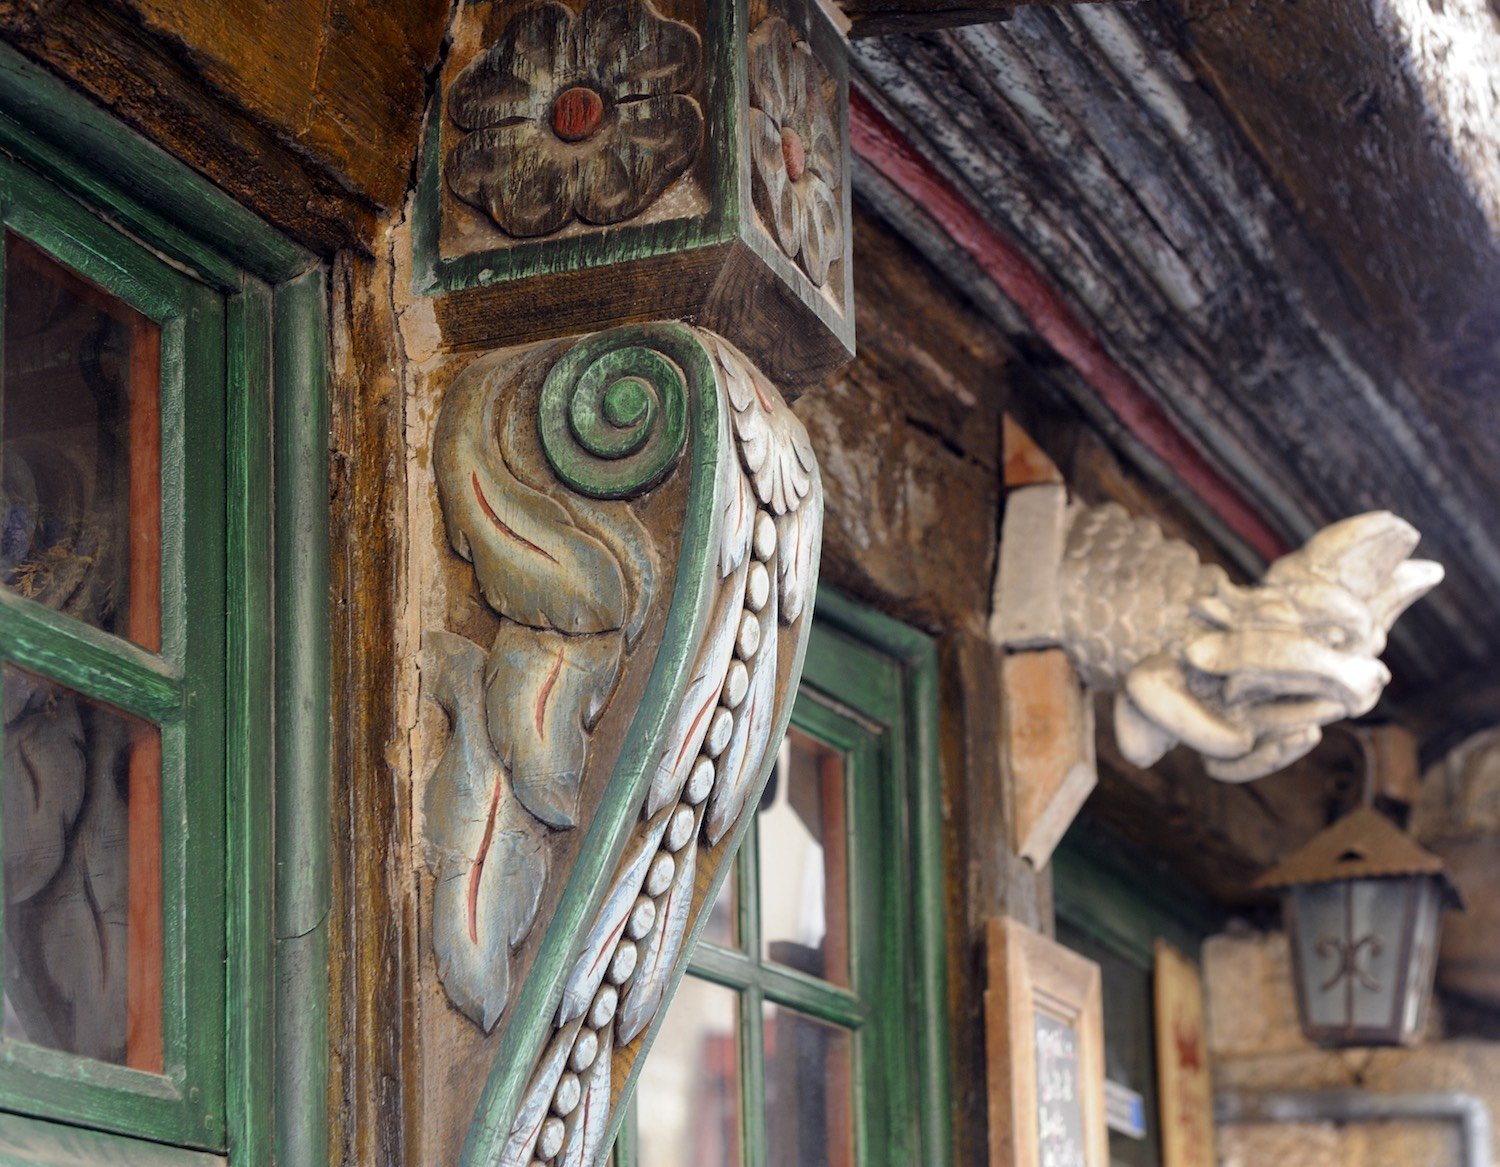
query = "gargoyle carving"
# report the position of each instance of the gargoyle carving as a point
(541, 460)
(1247, 676)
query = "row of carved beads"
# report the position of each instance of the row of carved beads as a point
(682, 824)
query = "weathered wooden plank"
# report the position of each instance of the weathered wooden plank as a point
(880, 17)
(309, 113)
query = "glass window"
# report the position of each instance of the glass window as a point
(795, 1039)
(137, 672)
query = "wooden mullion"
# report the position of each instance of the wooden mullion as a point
(811, 996)
(94, 663)
(723, 966)
(753, 1077)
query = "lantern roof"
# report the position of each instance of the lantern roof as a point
(1362, 845)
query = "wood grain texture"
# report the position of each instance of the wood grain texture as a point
(373, 932)
(296, 109)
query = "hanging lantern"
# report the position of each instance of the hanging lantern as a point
(1362, 905)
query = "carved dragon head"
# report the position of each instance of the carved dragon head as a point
(1254, 673)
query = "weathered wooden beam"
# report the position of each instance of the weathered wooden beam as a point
(881, 145)
(881, 17)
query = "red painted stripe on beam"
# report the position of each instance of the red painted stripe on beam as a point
(880, 144)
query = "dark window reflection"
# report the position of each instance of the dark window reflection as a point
(82, 851)
(809, 1091)
(80, 518)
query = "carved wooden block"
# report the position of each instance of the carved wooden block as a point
(1049, 747)
(593, 163)
(1027, 609)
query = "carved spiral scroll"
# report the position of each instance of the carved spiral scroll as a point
(613, 419)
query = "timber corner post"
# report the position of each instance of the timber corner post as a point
(637, 215)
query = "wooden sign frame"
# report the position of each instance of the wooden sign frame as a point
(1184, 1078)
(1030, 975)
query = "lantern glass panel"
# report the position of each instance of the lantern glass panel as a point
(1426, 929)
(1355, 956)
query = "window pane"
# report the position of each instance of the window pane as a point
(804, 891)
(809, 1091)
(687, 1108)
(82, 846)
(81, 524)
(722, 927)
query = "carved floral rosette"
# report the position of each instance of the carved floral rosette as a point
(542, 461)
(575, 116)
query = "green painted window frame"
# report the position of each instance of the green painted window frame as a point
(869, 689)
(244, 324)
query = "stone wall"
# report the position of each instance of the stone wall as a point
(1256, 1046)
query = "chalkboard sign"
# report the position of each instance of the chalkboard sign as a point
(1059, 1094)
(1044, 1043)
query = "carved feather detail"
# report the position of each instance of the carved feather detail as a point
(536, 1106)
(585, 1126)
(680, 746)
(589, 968)
(744, 758)
(714, 757)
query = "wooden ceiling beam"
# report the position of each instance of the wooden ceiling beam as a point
(879, 17)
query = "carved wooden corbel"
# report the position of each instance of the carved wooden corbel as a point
(1247, 676)
(639, 213)
(542, 459)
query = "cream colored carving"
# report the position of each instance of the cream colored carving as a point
(706, 772)
(1247, 676)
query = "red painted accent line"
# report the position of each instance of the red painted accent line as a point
(489, 511)
(476, 873)
(547, 686)
(874, 139)
(693, 728)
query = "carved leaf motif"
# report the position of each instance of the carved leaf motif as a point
(543, 692)
(742, 760)
(532, 562)
(659, 951)
(586, 1125)
(484, 849)
(706, 766)
(612, 524)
